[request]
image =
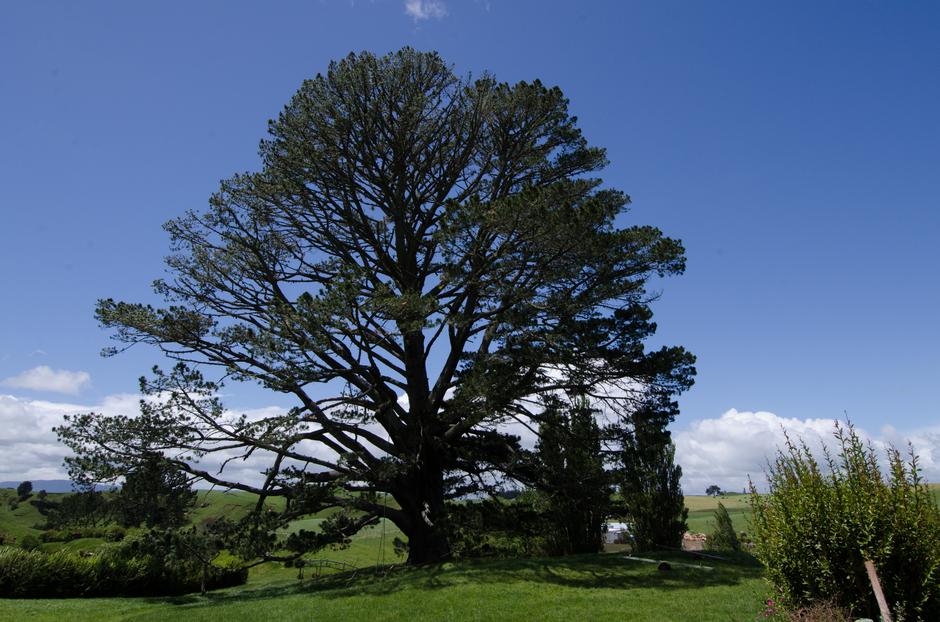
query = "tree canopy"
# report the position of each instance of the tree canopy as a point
(421, 259)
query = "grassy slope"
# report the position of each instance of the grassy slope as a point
(597, 587)
(702, 512)
(23, 519)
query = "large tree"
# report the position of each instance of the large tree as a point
(419, 260)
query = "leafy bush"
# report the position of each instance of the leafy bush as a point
(723, 538)
(29, 542)
(496, 528)
(113, 533)
(816, 527)
(111, 572)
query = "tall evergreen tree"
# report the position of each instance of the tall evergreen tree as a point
(572, 477)
(410, 233)
(649, 482)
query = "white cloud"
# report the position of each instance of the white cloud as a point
(44, 378)
(425, 9)
(727, 449)
(28, 446)
(722, 450)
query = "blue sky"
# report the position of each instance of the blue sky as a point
(793, 147)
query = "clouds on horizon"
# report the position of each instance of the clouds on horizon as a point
(726, 450)
(28, 446)
(44, 378)
(722, 450)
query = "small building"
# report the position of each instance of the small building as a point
(617, 533)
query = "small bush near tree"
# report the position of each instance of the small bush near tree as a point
(723, 538)
(29, 542)
(500, 528)
(819, 523)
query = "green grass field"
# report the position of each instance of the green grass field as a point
(596, 587)
(702, 512)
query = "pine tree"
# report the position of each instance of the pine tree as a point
(573, 479)
(409, 233)
(649, 482)
(723, 538)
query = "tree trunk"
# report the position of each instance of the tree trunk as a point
(428, 541)
(428, 545)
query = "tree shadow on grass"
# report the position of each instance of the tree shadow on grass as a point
(585, 572)
(581, 572)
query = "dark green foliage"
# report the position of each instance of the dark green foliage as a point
(649, 483)
(29, 542)
(24, 490)
(818, 525)
(182, 548)
(723, 538)
(713, 490)
(155, 494)
(577, 489)
(89, 508)
(499, 528)
(110, 572)
(408, 233)
(113, 533)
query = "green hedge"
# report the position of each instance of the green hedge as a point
(113, 533)
(34, 574)
(820, 522)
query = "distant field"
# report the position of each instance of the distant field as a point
(702, 512)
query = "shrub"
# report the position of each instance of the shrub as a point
(816, 527)
(113, 533)
(29, 542)
(111, 572)
(723, 538)
(496, 528)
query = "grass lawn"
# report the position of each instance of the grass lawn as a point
(594, 587)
